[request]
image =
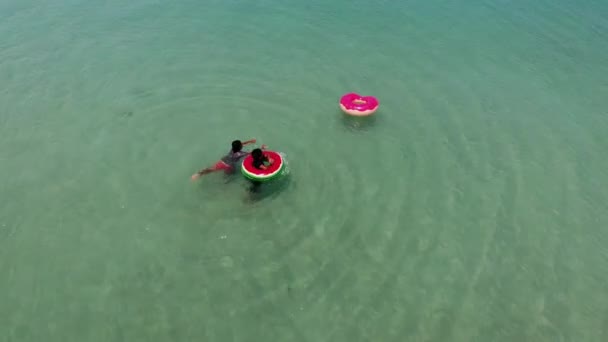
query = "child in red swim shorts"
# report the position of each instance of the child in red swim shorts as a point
(229, 162)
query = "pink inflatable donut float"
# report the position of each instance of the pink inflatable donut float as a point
(357, 105)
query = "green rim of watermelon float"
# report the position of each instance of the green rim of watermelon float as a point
(272, 171)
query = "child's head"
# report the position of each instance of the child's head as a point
(237, 146)
(257, 154)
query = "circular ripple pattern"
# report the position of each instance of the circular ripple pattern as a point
(469, 208)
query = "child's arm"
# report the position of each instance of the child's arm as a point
(251, 141)
(269, 161)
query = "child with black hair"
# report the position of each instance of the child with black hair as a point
(260, 159)
(260, 162)
(229, 162)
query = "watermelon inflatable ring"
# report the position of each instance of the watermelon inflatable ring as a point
(272, 171)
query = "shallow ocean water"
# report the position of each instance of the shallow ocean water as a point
(471, 207)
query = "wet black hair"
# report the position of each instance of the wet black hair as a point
(237, 145)
(257, 154)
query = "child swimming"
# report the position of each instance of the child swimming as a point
(229, 162)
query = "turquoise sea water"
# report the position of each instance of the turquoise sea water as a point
(472, 207)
